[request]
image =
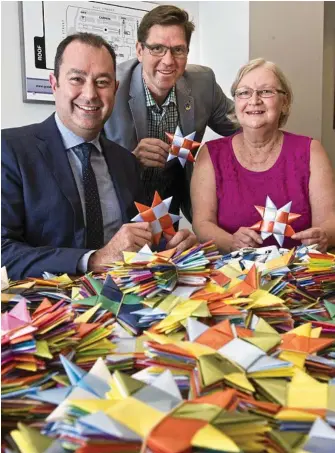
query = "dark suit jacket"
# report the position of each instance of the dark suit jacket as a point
(42, 224)
(201, 103)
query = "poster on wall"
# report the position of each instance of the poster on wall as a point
(45, 24)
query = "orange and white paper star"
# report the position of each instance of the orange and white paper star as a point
(181, 147)
(159, 217)
(275, 221)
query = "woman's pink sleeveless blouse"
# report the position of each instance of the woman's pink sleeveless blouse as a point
(238, 190)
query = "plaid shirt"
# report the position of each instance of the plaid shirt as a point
(161, 119)
(166, 180)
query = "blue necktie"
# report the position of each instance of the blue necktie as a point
(94, 220)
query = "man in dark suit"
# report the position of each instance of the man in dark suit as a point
(159, 91)
(67, 192)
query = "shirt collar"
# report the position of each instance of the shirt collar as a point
(150, 101)
(70, 139)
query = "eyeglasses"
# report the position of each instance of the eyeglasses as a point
(158, 50)
(247, 93)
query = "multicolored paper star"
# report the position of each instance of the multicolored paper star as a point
(275, 221)
(158, 216)
(181, 146)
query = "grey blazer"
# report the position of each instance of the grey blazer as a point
(201, 103)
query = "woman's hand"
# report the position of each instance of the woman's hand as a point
(311, 236)
(182, 240)
(245, 237)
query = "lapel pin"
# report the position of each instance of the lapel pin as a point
(188, 106)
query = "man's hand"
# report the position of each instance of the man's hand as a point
(245, 237)
(152, 152)
(130, 238)
(182, 240)
(313, 236)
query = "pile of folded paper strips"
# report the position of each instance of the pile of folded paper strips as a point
(167, 352)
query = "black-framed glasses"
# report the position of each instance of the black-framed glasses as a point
(158, 50)
(247, 93)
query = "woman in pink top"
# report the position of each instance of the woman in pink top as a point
(264, 166)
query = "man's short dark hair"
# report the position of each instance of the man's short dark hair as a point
(165, 15)
(86, 38)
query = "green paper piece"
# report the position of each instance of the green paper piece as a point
(132, 299)
(289, 441)
(108, 304)
(201, 411)
(214, 367)
(97, 285)
(35, 438)
(128, 384)
(330, 307)
(275, 389)
(234, 418)
(89, 301)
(263, 341)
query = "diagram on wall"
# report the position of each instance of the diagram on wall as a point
(45, 24)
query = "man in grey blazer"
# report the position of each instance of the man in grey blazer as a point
(157, 92)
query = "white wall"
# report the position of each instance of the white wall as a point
(14, 112)
(291, 35)
(224, 38)
(224, 41)
(193, 11)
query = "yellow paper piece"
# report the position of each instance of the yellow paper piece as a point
(296, 415)
(234, 282)
(75, 293)
(331, 398)
(123, 385)
(7, 297)
(96, 346)
(231, 270)
(306, 393)
(275, 373)
(281, 261)
(26, 366)
(62, 279)
(195, 349)
(202, 311)
(159, 338)
(169, 302)
(239, 380)
(297, 358)
(214, 288)
(182, 309)
(86, 316)
(208, 436)
(316, 332)
(94, 405)
(137, 416)
(304, 330)
(177, 336)
(42, 349)
(29, 440)
(263, 298)
(26, 285)
(274, 389)
(199, 411)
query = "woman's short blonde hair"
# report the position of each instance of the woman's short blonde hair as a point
(285, 85)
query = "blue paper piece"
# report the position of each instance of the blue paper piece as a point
(111, 290)
(53, 396)
(74, 373)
